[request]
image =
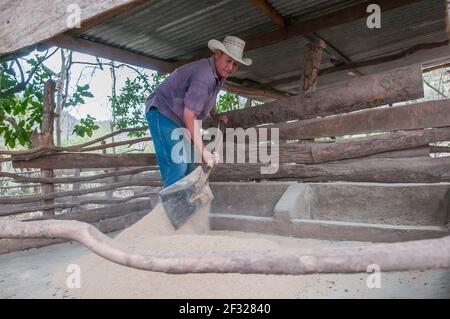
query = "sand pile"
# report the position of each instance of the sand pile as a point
(103, 279)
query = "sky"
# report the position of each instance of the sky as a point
(100, 84)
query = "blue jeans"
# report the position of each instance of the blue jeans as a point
(172, 167)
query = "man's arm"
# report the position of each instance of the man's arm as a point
(192, 126)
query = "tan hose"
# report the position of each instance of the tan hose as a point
(412, 255)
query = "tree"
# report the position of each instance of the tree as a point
(21, 97)
(227, 102)
(127, 105)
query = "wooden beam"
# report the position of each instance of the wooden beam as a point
(46, 138)
(355, 94)
(108, 52)
(310, 153)
(97, 214)
(302, 28)
(380, 145)
(63, 203)
(11, 209)
(360, 147)
(268, 10)
(336, 56)
(423, 151)
(77, 160)
(447, 18)
(25, 23)
(252, 91)
(138, 181)
(379, 170)
(107, 15)
(405, 117)
(78, 201)
(49, 110)
(75, 179)
(312, 58)
(386, 58)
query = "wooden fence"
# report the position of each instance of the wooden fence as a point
(109, 191)
(406, 148)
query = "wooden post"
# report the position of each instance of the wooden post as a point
(311, 63)
(109, 193)
(46, 138)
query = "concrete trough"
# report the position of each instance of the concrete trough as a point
(333, 211)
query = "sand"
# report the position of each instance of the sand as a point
(103, 279)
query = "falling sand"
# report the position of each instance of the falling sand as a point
(101, 278)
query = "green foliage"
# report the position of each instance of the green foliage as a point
(127, 105)
(86, 126)
(21, 103)
(227, 102)
(77, 97)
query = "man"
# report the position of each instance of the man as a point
(186, 95)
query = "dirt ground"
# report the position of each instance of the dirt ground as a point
(36, 274)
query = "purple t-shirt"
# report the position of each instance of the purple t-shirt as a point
(194, 85)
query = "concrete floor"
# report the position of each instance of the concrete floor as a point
(30, 274)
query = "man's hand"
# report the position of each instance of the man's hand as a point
(221, 117)
(211, 159)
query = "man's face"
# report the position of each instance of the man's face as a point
(225, 65)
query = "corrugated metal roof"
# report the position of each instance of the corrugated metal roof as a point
(279, 58)
(307, 9)
(173, 30)
(400, 28)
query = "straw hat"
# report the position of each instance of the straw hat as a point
(232, 46)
